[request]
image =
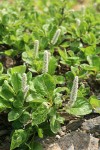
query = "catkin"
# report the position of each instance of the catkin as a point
(46, 61)
(78, 22)
(55, 37)
(25, 87)
(36, 48)
(74, 91)
(24, 81)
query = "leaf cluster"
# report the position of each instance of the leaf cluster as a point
(33, 100)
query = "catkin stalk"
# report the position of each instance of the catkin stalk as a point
(55, 37)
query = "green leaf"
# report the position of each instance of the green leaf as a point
(18, 138)
(58, 100)
(63, 54)
(40, 132)
(54, 124)
(3, 77)
(35, 146)
(25, 117)
(44, 85)
(7, 91)
(26, 37)
(88, 67)
(16, 124)
(83, 91)
(19, 100)
(14, 114)
(75, 70)
(36, 98)
(4, 104)
(64, 45)
(28, 56)
(94, 61)
(90, 50)
(60, 89)
(59, 79)
(80, 108)
(16, 82)
(18, 69)
(95, 103)
(40, 115)
(11, 52)
(52, 65)
(89, 38)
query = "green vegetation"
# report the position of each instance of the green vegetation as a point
(53, 48)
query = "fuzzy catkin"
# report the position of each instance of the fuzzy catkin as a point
(46, 61)
(24, 81)
(49, 56)
(74, 91)
(25, 87)
(55, 37)
(78, 22)
(36, 48)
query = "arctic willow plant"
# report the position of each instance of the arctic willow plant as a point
(74, 91)
(25, 87)
(36, 48)
(55, 37)
(46, 61)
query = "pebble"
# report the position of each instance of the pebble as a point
(54, 146)
(61, 133)
(64, 128)
(57, 136)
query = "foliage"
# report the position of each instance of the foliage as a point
(34, 98)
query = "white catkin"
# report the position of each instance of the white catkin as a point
(25, 87)
(83, 9)
(49, 56)
(36, 48)
(71, 10)
(24, 81)
(55, 37)
(46, 61)
(95, 5)
(74, 91)
(78, 22)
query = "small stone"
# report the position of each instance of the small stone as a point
(58, 136)
(61, 133)
(64, 128)
(48, 139)
(54, 146)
